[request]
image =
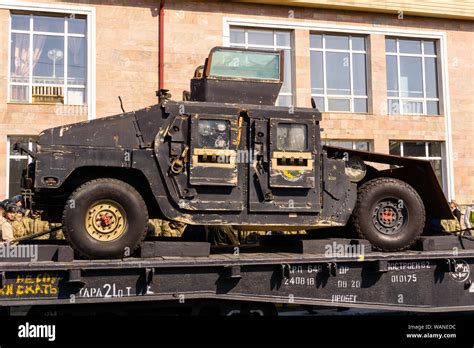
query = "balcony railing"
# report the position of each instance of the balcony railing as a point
(47, 94)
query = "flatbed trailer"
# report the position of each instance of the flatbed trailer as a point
(435, 278)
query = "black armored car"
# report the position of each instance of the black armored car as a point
(224, 156)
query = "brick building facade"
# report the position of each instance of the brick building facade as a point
(388, 82)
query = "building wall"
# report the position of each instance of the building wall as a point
(434, 8)
(127, 61)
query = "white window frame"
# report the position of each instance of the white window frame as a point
(31, 32)
(275, 47)
(351, 96)
(315, 26)
(424, 99)
(353, 141)
(427, 151)
(90, 13)
(20, 157)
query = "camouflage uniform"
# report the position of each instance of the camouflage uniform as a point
(151, 230)
(56, 234)
(6, 231)
(26, 225)
(451, 225)
(164, 228)
(19, 230)
(221, 235)
(252, 237)
(154, 227)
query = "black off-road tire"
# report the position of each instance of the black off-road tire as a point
(78, 205)
(371, 196)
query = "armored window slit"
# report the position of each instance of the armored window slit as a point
(292, 160)
(296, 162)
(214, 158)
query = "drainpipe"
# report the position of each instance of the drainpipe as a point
(161, 45)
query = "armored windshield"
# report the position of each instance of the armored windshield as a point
(245, 64)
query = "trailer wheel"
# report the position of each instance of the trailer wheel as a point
(105, 218)
(389, 213)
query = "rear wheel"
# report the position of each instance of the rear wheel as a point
(389, 213)
(105, 218)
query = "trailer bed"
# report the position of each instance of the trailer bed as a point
(415, 280)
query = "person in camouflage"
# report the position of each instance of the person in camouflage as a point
(27, 222)
(222, 235)
(16, 200)
(11, 212)
(451, 226)
(16, 217)
(3, 204)
(154, 227)
(33, 224)
(6, 230)
(172, 228)
(164, 228)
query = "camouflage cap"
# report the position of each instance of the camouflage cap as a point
(3, 204)
(16, 199)
(11, 208)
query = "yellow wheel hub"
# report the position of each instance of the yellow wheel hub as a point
(106, 221)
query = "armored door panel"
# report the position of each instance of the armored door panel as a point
(292, 154)
(284, 174)
(198, 162)
(213, 158)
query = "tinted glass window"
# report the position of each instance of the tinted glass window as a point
(412, 76)
(339, 69)
(292, 137)
(214, 133)
(242, 64)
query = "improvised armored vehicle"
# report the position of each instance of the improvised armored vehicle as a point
(225, 156)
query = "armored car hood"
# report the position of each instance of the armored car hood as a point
(118, 131)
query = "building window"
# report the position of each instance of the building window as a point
(362, 145)
(17, 162)
(274, 40)
(339, 72)
(412, 76)
(48, 59)
(427, 150)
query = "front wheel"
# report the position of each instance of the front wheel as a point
(105, 218)
(389, 213)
